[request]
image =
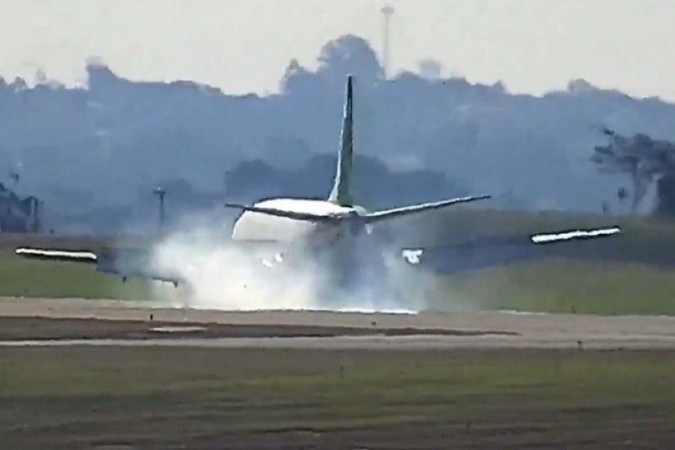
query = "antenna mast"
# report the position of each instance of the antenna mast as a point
(161, 193)
(387, 12)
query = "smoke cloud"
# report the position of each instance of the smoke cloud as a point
(223, 275)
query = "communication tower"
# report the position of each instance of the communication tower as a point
(387, 13)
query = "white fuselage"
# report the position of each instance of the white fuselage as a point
(254, 226)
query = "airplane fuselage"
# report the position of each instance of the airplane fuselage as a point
(254, 226)
(342, 253)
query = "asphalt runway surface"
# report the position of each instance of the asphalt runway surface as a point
(137, 324)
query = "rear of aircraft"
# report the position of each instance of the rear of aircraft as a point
(354, 274)
(357, 267)
(341, 193)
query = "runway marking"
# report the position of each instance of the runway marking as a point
(522, 313)
(376, 342)
(177, 329)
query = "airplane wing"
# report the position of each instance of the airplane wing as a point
(378, 216)
(282, 213)
(123, 262)
(462, 257)
(491, 252)
(57, 255)
(572, 235)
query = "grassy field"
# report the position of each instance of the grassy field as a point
(559, 285)
(21, 277)
(632, 274)
(447, 227)
(552, 285)
(89, 397)
(30, 278)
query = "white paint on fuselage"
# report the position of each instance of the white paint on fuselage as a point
(253, 226)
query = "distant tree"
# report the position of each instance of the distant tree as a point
(499, 86)
(430, 69)
(349, 54)
(644, 159)
(250, 180)
(375, 186)
(666, 195)
(99, 75)
(286, 151)
(622, 194)
(580, 86)
(298, 80)
(19, 84)
(14, 176)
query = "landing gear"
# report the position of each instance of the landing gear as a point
(356, 276)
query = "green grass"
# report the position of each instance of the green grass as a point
(565, 286)
(450, 226)
(21, 277)
(631, 274)
(83, 395)
(551, 285)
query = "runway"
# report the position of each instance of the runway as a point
(373, 343)
(155, 376)
(162, 326)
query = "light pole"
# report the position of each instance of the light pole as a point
(14, 176)
(387, 13)
(161, 193)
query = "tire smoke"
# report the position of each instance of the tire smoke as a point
(221, 274)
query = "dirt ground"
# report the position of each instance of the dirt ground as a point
(311, 329)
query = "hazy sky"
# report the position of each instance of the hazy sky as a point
(245, 45)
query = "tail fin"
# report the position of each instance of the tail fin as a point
(341, 193)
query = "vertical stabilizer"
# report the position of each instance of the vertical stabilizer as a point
(341, 193)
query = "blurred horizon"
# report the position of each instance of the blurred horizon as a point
(529, 46)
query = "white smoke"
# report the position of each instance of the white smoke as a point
(220, 275)
(224, 275)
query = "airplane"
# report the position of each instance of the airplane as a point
(334, 232)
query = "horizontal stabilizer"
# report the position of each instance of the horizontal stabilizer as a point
(576, 234)
(284, 213)
(57, 255)
(407, 210)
